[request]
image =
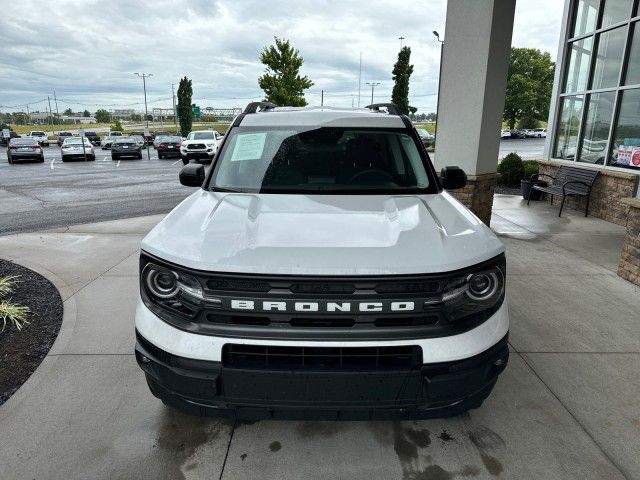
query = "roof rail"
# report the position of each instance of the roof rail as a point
(391, 108)
(254, 106)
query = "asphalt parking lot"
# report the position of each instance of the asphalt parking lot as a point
(35, 196)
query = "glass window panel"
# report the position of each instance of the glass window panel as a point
(578, 69)
(626, 139)
(585, 18)
(595, 132)
(633, 65)
(616, 11)
(567, 132)
(610, 47)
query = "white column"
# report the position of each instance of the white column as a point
(477, 44)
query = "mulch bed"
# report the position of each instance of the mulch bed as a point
(22, 351)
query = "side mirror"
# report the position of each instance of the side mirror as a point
(192, 175)
(453, 178)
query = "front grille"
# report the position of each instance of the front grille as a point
(261, 357)
(194, 146)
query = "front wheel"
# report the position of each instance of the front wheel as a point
(185, 161)
(9, 160)
(41, 159)
(64, 159)
(92, 158)
(114, 157)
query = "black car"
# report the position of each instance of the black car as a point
(125, 147)
(62, 136)
(26, 148)
(169, 146)
(93, 137)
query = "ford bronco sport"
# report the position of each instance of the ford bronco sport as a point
(322, 270)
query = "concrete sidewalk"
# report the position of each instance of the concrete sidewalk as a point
(566, 407)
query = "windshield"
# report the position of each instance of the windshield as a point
(124, 140)
(22, 141)
(74, 140)
(201, 136)
(321, 161)
(39, 134)
(171, 139)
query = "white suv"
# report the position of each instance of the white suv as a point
(321, 269)
(41, 137)
(200, 146)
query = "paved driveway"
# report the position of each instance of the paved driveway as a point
(566, 407)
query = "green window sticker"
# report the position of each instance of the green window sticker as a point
(249, 146)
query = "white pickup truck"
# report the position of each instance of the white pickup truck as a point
(41, 137)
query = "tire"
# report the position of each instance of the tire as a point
(140, 156)
(41, 159)
(92, 158)
(9, 160)
(64, 159)
(160, 156)
(185, 161)
(114, 157)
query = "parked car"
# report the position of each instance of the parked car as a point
(322, 267)
(200, 146)
(540, 132)
(516, 133)
(42, 137)
(93, 137)
(62, 136)
(106, 142)
(116, 134)
(159, 137)
(427, 138)
(140, 139)
(72, 149)
(4, 141)
(125, 147)
(169, 146)
(24, 148)
(528, 133)
(505, 134)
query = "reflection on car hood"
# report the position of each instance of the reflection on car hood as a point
(322, 234)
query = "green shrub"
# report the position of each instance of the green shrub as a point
(511, 170)
(10, 312)
(530, 167)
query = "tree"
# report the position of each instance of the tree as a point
(529, 85)
(281, 82)
(86, 114)
(68, 111)
(102, 116)
(402, 71)
(185, 114)
(116, 126)
(135, 117)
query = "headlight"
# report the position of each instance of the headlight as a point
(479, 291)
(160, 282)
(172, 292)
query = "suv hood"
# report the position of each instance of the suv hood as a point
(322, 234)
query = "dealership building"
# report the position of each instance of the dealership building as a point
(594, 120)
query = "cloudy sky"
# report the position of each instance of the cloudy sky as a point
(88, 50)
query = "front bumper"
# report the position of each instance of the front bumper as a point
(189, 372)
(214, 389)
(197, 154)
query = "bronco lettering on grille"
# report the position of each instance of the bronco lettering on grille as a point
(331, 307)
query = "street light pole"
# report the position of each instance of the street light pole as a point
(401, 39)
(373, 86)
(437, 35)
(175, 113)
(146, 114)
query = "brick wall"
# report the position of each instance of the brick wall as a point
(629, 266)
(609, 189)
(477, 195)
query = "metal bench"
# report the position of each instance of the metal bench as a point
(568, 181)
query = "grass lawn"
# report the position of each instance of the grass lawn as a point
(24, 129)
(429, 127)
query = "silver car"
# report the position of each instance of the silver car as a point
(72, 149)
